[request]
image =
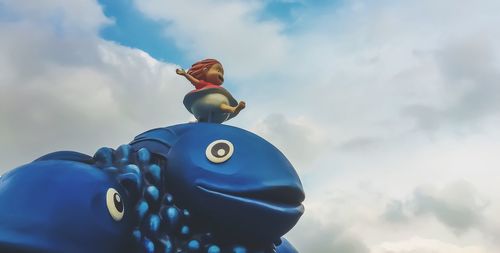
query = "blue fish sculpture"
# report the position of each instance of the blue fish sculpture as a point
(195, 188)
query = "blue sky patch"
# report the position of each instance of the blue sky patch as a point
(133, 29)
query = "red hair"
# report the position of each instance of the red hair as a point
(198, 69)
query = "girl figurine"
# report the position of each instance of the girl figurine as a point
(209, 102)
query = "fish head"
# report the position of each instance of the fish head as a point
(234, 181)
(62, 206)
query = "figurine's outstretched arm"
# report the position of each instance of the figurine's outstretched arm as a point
(189, 77)
(234, 110)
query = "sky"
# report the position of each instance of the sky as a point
(389, 110)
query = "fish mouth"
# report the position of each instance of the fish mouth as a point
(263, 213)
(278, 198)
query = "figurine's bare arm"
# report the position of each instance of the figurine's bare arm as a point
(189, 77)
(233, 109)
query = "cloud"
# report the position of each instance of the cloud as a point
(458, 205)
(298, 138)
(385, 70)
(455, 220)
(359, 144)
(471, 73)
(312, 235)
(230, 31)
(371, 71)
(423, 245)
(395, 212)
(65, 90)
(77, 17)
(377, 76)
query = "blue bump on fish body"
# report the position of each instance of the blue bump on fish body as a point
(196, 187)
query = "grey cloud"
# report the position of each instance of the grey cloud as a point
(311, 235)
(471, 58)
(347, 244)
(470, 86)
(300, 142)
(395, 212)
(359, 144)
(458, 205)
(426, 118)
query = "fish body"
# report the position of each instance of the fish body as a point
(197, 187)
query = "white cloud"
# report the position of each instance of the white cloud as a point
(364, 67)
(64, 90)
(229, 31)
(78, 16)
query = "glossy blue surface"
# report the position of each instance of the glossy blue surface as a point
(169, 197)
(257, 188)
(59, 206)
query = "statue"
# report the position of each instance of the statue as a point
(209, 102)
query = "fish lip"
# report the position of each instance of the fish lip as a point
(256, 197)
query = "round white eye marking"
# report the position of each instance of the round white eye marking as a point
(115, 204)
(219, 151)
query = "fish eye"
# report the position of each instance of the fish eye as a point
(115, 204)
(219, 151)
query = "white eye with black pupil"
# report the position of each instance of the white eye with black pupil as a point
(219, 151)
(115, 204)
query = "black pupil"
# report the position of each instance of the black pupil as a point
(220, 146)
(118, 202)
